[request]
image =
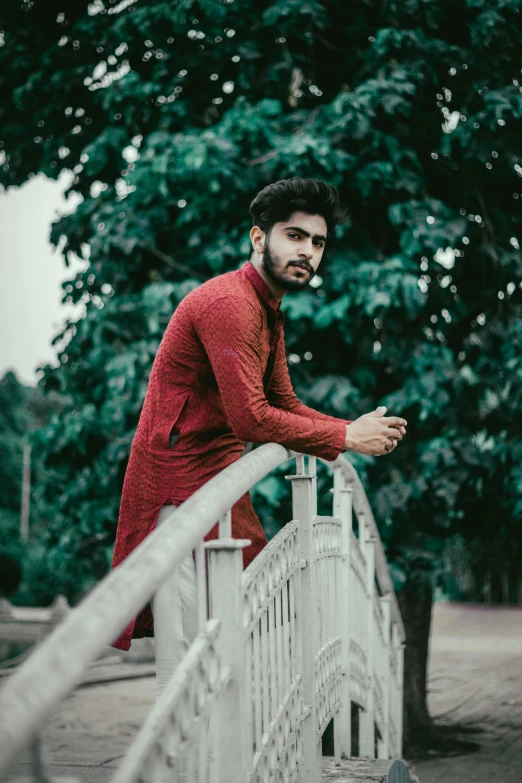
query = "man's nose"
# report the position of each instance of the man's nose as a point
(306, 252)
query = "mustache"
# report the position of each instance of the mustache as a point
(303, 264)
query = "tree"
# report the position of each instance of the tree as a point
(172, 117)
(23, 409)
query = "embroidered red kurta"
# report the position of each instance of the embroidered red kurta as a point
(219, 379)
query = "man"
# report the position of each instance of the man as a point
(220, 379)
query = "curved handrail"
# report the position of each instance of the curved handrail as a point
(28, 699)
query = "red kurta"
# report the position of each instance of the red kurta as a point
(219, 379)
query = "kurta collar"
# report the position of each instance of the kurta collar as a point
(261, 287)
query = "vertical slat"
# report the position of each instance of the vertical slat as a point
(303, 505)
(367, 720)
(279, 642)
(347, 586)
(264, 671)
(332, 589)
(203, 751)
(326, 597)
(400, 656)
(286, 635)
(249, 702)
(213, 739)
(225, 573)
(257, 688)
(312, 470)
(191, 760)
(225, 525)
(274, 692)
(384, 745)
(321, 595)
(337, 739)
(293, 638)
(395, 680)
(201, 586)
(314, 568)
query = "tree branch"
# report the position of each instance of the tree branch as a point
(172, 263)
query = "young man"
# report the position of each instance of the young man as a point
(220, 379)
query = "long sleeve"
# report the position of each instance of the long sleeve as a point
(231, 335)
(281, 393)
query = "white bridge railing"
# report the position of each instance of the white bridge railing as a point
(309, 632)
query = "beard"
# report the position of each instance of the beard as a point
(277, 271)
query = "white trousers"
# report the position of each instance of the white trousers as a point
(175, 616)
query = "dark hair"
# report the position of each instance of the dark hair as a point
(277, 203)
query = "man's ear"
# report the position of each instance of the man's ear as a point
(256, 239)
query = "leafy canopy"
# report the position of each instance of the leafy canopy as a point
(172, 116)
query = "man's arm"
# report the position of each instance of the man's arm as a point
(281, 393)
(371, 433)
(230, 333)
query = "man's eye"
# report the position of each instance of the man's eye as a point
(296, 236)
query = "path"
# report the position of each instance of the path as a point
(475, 675)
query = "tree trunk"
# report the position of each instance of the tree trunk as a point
(415, 601)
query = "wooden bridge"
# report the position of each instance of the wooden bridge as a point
(308, 634)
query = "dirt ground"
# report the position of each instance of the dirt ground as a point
(475, 676)
(475, 681)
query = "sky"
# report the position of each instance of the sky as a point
(31, 312)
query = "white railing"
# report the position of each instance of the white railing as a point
(310, 627)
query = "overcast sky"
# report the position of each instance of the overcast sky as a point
(31, 312)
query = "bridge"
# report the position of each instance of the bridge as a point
(308, 635)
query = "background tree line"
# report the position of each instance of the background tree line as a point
(172, 117)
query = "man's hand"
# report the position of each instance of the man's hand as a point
(374, 433)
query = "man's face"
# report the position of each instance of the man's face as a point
(293, 250)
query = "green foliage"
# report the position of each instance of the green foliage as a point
(23, 410)
(14, 423)
(412, 111)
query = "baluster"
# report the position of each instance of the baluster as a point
(38, 757)
(264, 670)
(316, 566)
(367, 721)
(279, 644)
(203, 755)
(312, 471)
(303, 505)
(191, 758)
(225, 576)
(400, 696)
(395, 707)
(286, 634)
(293, 638)
(384, 744)
(225, 525)
(274, 681)
(343, 496)
(201, 586)
(258, 734)
(249, 702)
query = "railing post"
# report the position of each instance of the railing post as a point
(367, 719)
(343, 509)
(303, 505)
(384, 744)
(228, 731)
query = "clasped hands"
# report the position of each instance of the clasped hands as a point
(374, 433)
